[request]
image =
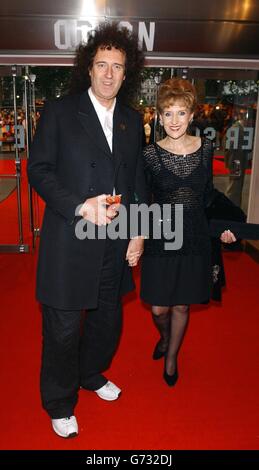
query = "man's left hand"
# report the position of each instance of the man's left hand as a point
(112, 210)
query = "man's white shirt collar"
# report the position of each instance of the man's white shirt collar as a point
(99, 108)
(105, 116)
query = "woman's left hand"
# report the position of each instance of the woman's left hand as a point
(135, 250)
(227, 237)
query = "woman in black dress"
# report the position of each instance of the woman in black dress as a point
(179, 171)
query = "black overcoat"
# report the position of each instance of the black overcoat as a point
(71, 161)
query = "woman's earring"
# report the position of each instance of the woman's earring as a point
(161, 122)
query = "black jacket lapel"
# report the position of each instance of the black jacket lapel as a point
(120, 144)
(89, 120)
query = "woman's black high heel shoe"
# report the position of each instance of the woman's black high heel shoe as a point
(157, 353)
(170, 379)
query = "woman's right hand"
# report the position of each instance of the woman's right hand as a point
(228, 237)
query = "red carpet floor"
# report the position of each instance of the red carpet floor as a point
(213, 406)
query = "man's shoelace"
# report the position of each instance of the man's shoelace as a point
(67, 420)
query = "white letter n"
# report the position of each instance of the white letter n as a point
(143, 35)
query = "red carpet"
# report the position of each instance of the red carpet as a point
(213, 406)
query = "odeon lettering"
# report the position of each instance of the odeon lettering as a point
(69, 33)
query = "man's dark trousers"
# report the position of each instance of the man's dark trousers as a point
(75, 352)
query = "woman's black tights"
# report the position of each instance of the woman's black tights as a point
(171, 323)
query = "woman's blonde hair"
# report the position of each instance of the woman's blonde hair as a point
(176, 89)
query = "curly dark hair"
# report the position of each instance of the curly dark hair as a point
(108, 35)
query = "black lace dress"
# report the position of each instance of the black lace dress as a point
(183, 275)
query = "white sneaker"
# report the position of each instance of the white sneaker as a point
(65, 427)
(109, 391)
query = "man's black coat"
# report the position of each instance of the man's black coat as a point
(71, 161)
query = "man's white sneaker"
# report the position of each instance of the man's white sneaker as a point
(65, 427)
(109, 391)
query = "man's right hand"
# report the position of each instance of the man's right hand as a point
(94, 210)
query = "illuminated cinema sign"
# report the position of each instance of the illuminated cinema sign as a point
(184, 29)
(69, 33)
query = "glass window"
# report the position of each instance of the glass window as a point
(226, 114)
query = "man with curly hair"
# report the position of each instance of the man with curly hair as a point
(87, 147)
